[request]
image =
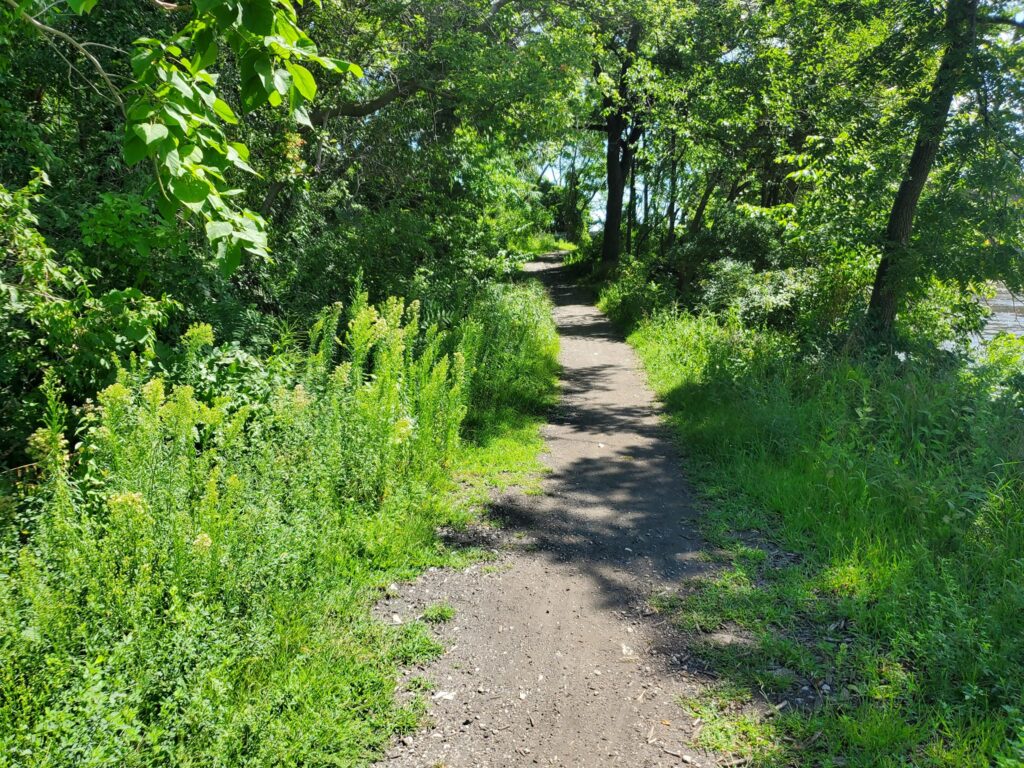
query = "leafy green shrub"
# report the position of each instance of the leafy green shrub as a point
(768, 297)
(740, 234)
(194, 589)
(638, 289)
(512, 343)
(51, 317)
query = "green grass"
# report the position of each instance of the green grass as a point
(503, 442)
(439, 613)
(870, 516)
(728, 724)
(539, 243)
(192, 584)
(419, 684)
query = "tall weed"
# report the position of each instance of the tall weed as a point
(194, 590)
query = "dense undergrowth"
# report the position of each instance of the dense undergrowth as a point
(870, 514)
(190, 583)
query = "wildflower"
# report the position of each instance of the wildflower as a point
(300, 396)
(202, 541)
(125, 501)
(403, 427)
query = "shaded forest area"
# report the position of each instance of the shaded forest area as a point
(222, 434)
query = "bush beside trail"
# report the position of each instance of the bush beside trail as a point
(189, 585)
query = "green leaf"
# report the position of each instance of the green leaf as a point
(191, 153)
(265, 73)
(215, 230)
(140, 110)
(173, 114)
(167, 207)
(303, 79)
(240, 148)
(190, 191)
(180, 84)
(230, 253)
(258, 16)
(173, 162)
(347, 66)
(142, 61)
(236, 159)
(226, 14)
(252, 94)
(150, 133)
(207, 56)
(224, 112)
(135, 150)
(282, 81)
(204, 6)
(82, 6)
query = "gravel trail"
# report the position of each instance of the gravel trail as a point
(553, 657)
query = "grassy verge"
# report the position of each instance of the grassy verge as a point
(191, 584)
(539, 243)
(503, 431)
(870, 516)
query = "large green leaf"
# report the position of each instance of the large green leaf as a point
(134, 150)
(258, 16)
(82, 6)
(150, 133)
(224, 111)
(215, 230)
(303, 79)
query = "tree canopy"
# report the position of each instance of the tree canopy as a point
(208, 209)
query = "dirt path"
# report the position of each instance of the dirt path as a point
(553, 657)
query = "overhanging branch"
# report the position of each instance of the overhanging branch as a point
(1005, 21)
(51, 32)
(366, 108)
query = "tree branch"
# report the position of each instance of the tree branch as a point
(1001, 20)
(634, 134)
(51, 32)
(366, 108)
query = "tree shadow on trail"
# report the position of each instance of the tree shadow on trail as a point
(737, 613)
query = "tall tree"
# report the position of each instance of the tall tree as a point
(622, 129)
(960, 32)
(964, 22)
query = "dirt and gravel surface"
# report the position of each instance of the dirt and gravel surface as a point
(553, 657)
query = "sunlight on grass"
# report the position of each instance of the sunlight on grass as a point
(881, 607)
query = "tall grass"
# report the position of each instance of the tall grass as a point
(899, 486)
(194, 582)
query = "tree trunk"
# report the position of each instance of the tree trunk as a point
(738, 186)
(671, 212)
(268, 200)
(892, 273)
(631, 220)
(618, 156)
(612, 242)
(698, 215)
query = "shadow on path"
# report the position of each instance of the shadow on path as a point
(616, 504)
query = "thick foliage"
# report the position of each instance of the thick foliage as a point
(52, 318)
(195, 589)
